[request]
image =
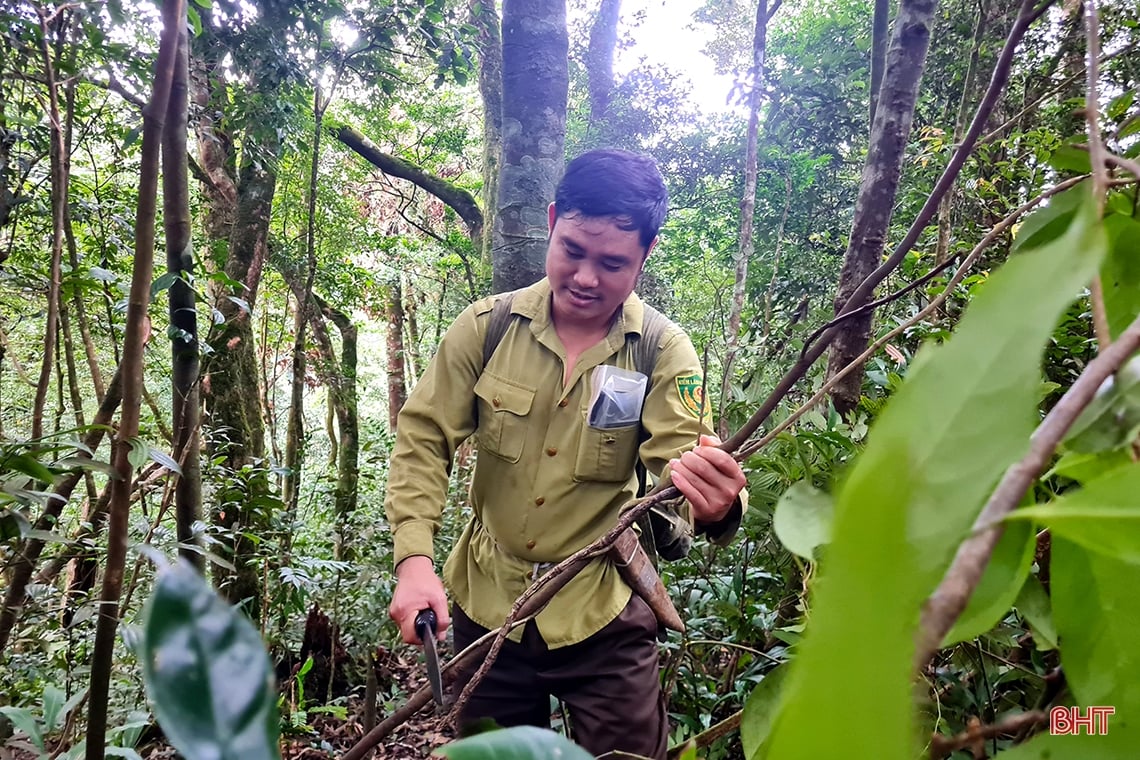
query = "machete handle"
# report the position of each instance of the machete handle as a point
(425, 624)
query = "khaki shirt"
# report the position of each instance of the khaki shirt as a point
(546, 483)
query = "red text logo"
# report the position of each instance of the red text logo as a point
(1070, 720)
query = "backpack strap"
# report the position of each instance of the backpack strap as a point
(497, 326)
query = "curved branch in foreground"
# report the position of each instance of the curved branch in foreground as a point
(457, 198)
(949, 599)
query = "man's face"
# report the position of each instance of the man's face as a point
(592, 265)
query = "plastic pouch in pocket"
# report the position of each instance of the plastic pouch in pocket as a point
(616, 397)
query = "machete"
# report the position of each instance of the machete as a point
(425, 629)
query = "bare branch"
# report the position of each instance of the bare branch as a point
(1097, 156)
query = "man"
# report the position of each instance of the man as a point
(550, 476)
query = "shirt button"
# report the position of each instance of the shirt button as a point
(495, 402)
(539, 501)
(530, 544)
(564, 403)
(551, 451)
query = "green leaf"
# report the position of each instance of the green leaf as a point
(53, 707)
(1111, 418)
(1129, 128)
(1119, 105)
(518, 743)
(760, 711)
(165, 460)
(1097, 611)
(803, 519)
(964, 413)
(164, 281)
(1085, 467)
(24, 721)
(1103, 517)
(30, 466)
(1002, 580)
(1120, 274)
(1047, 224)
(126, 752)
(1033, 604)
(206, 671)
(140, 453)
(1068, 158)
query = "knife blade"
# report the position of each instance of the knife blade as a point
(425, 629)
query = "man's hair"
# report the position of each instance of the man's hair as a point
(615, 183)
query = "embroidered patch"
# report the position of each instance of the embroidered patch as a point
(692, 391)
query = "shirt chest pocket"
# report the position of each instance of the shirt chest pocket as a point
(607, 456)
(503, 416)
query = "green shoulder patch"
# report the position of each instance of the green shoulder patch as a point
(692, 392)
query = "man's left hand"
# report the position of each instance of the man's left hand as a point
(709, 478)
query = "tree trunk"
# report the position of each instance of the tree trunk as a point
(880, 28)
(397, 387)
(942, 249)
(535, 83)
(489, 41)
(344, 397)
(600, 61)
(184, 358)
(134, 340)
(878, 187)
(59, 181)
(747, 204)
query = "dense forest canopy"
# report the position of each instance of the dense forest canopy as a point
(232, 235)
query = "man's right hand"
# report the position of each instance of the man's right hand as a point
(418, 588)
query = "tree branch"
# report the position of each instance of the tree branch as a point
(1099, 169)
(943, 746)
(817, 344)
(949, 599)
(461, 201)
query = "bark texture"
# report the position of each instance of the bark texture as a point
(600, 60)
(489, 41)
(397, 386)
(184, 362)
(894, 115)
(535, 83)
(880, 28)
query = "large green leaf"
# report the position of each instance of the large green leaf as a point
(803, 518)
(963, 415)
(1103, 517)
(1097, 611)
(23, 720)
(207, 673)
(1034, 605)
(1120, 275)
(1112, 417)
(760, 712)
(518, 743)
(999, 586)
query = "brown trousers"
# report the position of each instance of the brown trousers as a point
(609, 683)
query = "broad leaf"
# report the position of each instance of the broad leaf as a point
(1120, 275)
(760, 712)
(1112, 417)
(1002, 580)
(1047, 224)
(1097, 611)
(1103, 517)
(518, 743)
(24, 721)
(1085, 467)
(803, 519)
(1033, 604)
(963, 415)
(206, 671)
(53, 707)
